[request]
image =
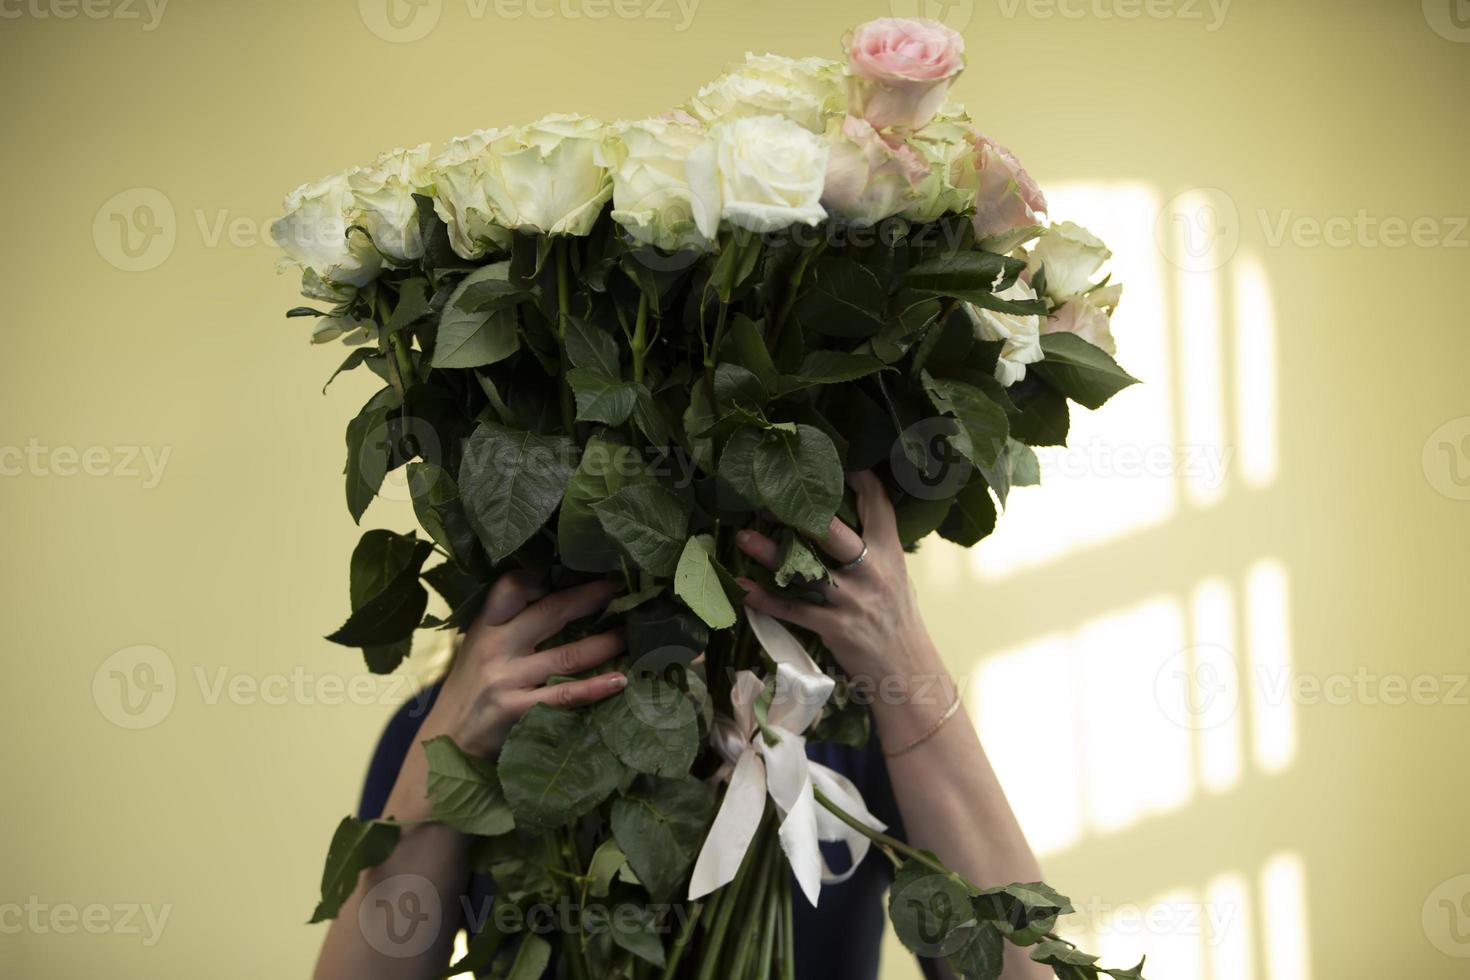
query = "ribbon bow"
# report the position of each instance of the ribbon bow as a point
(755, 768)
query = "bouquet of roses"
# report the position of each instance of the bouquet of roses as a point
(604, 349)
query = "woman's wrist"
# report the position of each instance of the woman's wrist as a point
(911, 693)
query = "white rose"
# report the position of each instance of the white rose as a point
(460, 200)
(1020, 335)
(808, 91)
(947, 145)
(383, 195)
(546, 177)
(313, 233)
(1072, 255)
(1089, 316)
(654, 197)
(353, 331)
(770, 173)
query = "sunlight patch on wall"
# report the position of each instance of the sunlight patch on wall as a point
(1255, 373)
(1145, 706)
(1284, 913)
(1201, 386)
(1041, 776)
(1213, 678)
(1268, 639)
(1211, 933)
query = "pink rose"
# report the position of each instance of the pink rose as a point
(901, 70)
(1006, 198)
(869, 178)
(1089, 316)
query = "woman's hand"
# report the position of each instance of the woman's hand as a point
(871, 620)
(499, 673)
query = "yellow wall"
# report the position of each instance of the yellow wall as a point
(232, 564)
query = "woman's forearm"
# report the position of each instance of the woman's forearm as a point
(947, 792)
(400, 922)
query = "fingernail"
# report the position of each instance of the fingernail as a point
(743, 536)
(617, 682)
(746, 584)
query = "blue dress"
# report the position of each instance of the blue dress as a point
(839, 938)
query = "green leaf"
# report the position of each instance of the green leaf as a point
(1082, 372)
(387, 600)
(651, 727)
(930, 910)
(660, 824)
(799, 477)
(737, 464)
(591, 348)
(1043, 418)
(383, 586)
(412, 306)
(649, 419)
(635, 929)
(605, 468)
(358, 357)
(799, 563)
(745, 346)
(841, 298)
(1024, 912)
(983, 422)
(470, 336)
(356, 845)
(696, 582)
(1056, 953)
(601, 398)
(554, 768)
(972, 517)
(607, 861)
(666, 630)
(369, 451)
(511, 482)
(465, 791)
(968, 274)
(650, 524)
(918, 517)
(737, 387)
(982, 955)
(826, 367)
(531, 959)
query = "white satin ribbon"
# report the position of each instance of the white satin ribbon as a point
(756, 768)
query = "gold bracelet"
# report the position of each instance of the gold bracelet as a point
(933, 730)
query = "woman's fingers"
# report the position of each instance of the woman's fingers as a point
(818, 619)
(573, 694)
(511, 593)
(842, 543)
(875, 510)
(570, 658)
(760, 548)
(547, 617)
